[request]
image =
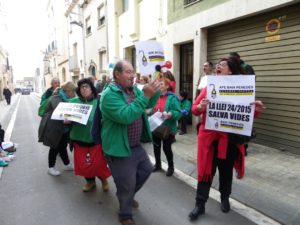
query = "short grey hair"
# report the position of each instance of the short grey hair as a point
(55, 79)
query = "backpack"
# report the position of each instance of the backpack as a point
(96, 125)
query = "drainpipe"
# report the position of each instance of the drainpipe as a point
(107, 41)
(83, 41)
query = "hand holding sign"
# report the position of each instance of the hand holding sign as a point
(259, 106)
(202, 105)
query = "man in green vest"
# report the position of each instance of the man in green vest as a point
(124, 126)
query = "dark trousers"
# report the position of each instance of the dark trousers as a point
(130, 174)
(225, 168)
(183, 123)
(167, 148)
(8, 100)
(61, 150)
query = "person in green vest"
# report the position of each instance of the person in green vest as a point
(89, 160)
(168, 103)
(124, 126)
(186, 114)
(55, 86)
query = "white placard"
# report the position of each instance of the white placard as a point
(155, 120)
(149, 54)
(72, 111)
(229, 108)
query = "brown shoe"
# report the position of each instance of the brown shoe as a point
(89, 186)
(105, 185)
(127, 221)
(135, 204)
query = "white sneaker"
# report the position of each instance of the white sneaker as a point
(12, 157)
(69, 167)
(53, 172)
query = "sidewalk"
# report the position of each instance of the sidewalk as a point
(271, 184)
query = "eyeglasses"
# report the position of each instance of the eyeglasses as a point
(223, 64)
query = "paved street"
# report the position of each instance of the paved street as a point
(34, 197)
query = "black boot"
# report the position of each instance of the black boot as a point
(170, 171)
(197, 211)
(225, 205)
(156, 168)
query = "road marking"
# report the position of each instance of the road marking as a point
(237, 206)
(10, 128)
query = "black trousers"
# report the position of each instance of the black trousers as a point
(167, 148)
(61, 150)
(8, 100)
(183, 123)
(225, 168)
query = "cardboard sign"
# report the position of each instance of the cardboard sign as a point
(229, 108)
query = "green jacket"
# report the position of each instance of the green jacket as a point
(172, 105)
(80, 132)
(186, 105)
(117, 114)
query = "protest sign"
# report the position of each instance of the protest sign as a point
(229, 108)
(72, 111)
(149, 54)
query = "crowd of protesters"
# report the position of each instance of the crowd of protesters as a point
(119, 118)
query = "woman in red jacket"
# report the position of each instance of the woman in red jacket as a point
(214, 150)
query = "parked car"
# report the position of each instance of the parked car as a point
(25, 91)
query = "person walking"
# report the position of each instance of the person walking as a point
(101, 84)
(168, 103)
(54, 133)
(186, 114)
(55, 84)
(7, 94)
(215, 150)
(89, 160)
(124, 126)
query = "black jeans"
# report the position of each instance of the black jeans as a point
(61, 150)
(225, 168)
(167, 148)
(183, 123)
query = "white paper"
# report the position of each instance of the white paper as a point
(72, 111)
(155, 120)
(140, 86)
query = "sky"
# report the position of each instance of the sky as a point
(26, 35)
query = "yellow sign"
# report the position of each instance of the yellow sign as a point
(272, 38)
